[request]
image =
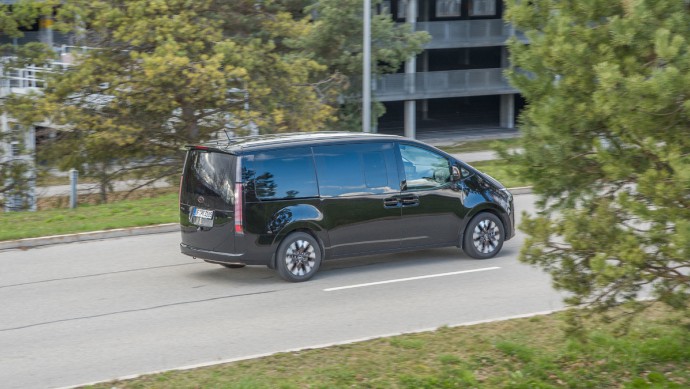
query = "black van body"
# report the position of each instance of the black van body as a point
(290, 201)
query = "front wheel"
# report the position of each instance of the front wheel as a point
(483, 236)
(298, 257)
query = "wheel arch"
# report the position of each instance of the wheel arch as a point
(312, 229)
(484, 208)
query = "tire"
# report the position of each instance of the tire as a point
(298, 257)
(483, 236)
(233, 265)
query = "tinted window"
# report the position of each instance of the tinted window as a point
(355, 169)
(210, 175)
(280, 174)
(424, 169)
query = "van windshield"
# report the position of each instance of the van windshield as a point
(209, 180)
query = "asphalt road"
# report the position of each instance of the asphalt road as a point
(83, 312)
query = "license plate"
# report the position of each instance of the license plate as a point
(201, 217)
(203, 213)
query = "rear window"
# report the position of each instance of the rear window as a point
(280, 174)
(209, 175)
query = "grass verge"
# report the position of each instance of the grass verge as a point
(126, 213)
(480, 145)
(523, 353)
(501, 170)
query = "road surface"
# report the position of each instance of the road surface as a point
(83, 312)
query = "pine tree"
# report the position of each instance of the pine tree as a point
(157, 75)
(606, 139)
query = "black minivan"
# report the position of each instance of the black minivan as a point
(289, 201)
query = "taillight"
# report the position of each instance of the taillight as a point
(179, 192)
(239, 228)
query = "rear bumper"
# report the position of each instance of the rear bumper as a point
(219, 257)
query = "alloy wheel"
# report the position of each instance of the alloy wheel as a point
(486, 236)
(300, 257)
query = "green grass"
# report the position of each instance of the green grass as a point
(523, 353)
(479, 145)
(126, 213)
(500, 170)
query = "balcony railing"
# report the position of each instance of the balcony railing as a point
(466, 33)
(22, 80)
(428, 85)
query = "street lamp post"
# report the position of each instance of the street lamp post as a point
(366, 69)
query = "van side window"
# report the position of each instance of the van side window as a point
(424, 169)
(280, 174)
(354, 169)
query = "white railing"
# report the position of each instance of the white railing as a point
(14, 79)
(466, 33)
(454, 83)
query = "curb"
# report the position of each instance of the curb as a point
(523, 190)
(86, 236)
(28, 243)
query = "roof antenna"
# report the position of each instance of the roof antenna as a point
(228, 135)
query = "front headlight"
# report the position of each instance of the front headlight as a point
(505, 199)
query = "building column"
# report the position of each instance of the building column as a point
(507, 115)
(425, 68)
(410, 70)
(508, 111)
(45, 30)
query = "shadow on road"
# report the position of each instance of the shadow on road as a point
(344, 269)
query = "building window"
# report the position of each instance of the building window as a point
(402, 9)
(482, 7)
(385, 7)
(448, 8)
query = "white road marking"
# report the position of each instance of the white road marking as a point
(410, 279)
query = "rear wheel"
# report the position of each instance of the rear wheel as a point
(484, 236)
(298, 257)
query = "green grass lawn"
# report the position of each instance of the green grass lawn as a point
(500, 170)
(523, 353)
(126, 213)
(479, 145)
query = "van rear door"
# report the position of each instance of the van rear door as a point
(207, 197)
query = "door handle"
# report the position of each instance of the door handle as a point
(409, 200)
(391, 202)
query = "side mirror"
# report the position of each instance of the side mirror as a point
(456, 173)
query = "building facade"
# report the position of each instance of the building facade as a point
(457, 81)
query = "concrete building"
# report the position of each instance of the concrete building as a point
(457, 82)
